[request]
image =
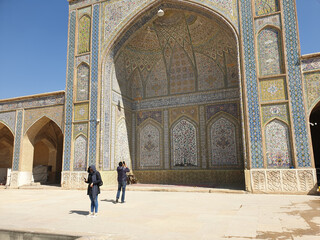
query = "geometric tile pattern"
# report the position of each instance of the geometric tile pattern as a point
(80, 128)
(80, 153)
(264, 7)
(9, 118)
(273, 20)
(279, 111)
(270, 57)
(150, 146)
(311, 64)
(84, 34)
(250, 77)
(278, 150)
(184, 144)
(83, 76)
(81, 112)
(69, 93)
(17, 142)
(295, 86)
(312, 87)
(273, 90)
(94, 85)
(223, 143)
(230, 108)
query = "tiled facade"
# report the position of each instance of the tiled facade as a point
(174, 98)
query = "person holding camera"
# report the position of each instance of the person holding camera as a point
(122, 180)
(94, 182)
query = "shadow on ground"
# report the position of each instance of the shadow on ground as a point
(79, 212)
(109, 200)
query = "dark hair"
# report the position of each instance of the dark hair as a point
(120, 164)
(89, 169)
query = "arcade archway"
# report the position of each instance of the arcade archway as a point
(42, 152)
(315, 135)
(6, 152)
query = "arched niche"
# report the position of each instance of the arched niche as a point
(149, 145)
(41, 157)
(83, 82)
(6, 151)
(270, 51)
(314, 122)
(278, 144)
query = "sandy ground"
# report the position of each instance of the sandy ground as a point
(162, 215)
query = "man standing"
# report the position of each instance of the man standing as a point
(122, 180)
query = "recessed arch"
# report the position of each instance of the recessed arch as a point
(83, 82)
(80, 153)
(184, 143)
(41, 156)
(270, 51)
(6, 151)
(278, 144)
(84, 30)
(314, 122)
(224, 141)
(150, 145)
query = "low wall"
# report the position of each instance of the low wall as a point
(301, 181)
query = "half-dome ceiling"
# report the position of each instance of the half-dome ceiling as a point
(181, 52)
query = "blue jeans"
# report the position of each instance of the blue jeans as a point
(94, 204)
(121, 185)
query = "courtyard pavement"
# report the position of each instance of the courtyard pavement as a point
(162, 215)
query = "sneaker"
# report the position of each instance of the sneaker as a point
(90, 214)
(122, 201)
(95, 215)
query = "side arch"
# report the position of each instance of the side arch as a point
(184, 143)
(224, 140)
(278, 144)
(150, 151)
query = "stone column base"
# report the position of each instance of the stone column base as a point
(288, 181)
(74, 180)
(20, 178)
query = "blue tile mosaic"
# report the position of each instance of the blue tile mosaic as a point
(251, 83)
(69, 93)
(295, 85)
(17, 142)
(94, 85)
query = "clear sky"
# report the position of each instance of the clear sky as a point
(33, 43)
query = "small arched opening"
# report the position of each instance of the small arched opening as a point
(315, 135)
(6, 152)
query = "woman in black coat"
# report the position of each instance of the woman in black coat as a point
(94, 181)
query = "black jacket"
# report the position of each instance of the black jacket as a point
(94, 178)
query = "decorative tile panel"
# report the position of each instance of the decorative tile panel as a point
(184, 144)
(311, 64)
(94, 84)
(83, 81)
(166, 144)
(80, 153)
(150, 146)
(190, 112)
(144, 115)
(270, 57)
(84, 28)
(250, 77)
(33, 103)
(274, 20)
(278, 149)
(203, 144)
(17, 142)
(273, 90)
(122, 147)
(54, 113)
(230, 108)
(9, 119)
(279, 111)
(83, 59)
(266, 6)
(295, 85)
(69, 92)
(81, 111)
(223, 139)
(312, 88)
(80, 128)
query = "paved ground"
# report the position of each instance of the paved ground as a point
(163, 215)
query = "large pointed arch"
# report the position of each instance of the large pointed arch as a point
(41, 157)
(6, 151)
